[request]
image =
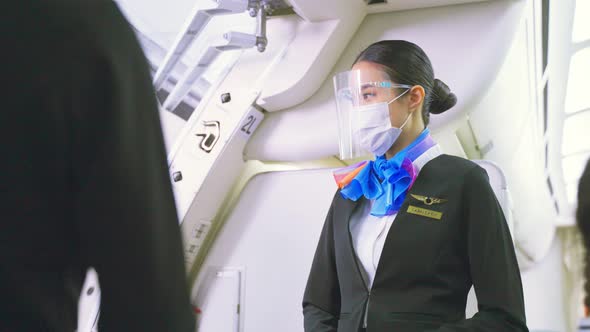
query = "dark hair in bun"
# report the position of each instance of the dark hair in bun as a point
(406, 63)
(442, 98)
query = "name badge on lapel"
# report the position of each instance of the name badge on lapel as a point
(424, 212)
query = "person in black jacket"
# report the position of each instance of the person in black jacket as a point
(83, 178)
(583, 222)
(409, 233)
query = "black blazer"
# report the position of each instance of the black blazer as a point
(427, 265)
(83, 178)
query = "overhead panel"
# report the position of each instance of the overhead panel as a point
(179, 41)
(382, 6)
(319, 37)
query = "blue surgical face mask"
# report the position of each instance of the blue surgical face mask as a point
(376, 133)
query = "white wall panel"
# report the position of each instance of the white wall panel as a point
(272, 234)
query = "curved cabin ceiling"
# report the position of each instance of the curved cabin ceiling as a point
(317, 9)
(467, 45)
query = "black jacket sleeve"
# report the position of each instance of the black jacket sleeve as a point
(123, 207)
(321, 301)
(494, 270)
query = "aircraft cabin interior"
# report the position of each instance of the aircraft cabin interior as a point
(249, 117)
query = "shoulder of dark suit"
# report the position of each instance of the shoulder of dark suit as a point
(453, 167)
(452, 164)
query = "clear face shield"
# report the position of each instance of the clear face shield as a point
(362, 101)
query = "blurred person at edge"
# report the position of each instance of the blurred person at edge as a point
(83, 179)
(583, 220)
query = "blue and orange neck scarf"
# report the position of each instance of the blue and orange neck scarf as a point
(385, 181)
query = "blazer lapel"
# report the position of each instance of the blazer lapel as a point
(344, 213)
(389, 255)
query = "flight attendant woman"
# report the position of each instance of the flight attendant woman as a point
(409, 233)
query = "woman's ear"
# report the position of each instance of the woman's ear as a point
(416, 97)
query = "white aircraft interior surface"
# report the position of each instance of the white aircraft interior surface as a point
(249, 120)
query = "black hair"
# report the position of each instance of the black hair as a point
(583, 221)
(406, 63)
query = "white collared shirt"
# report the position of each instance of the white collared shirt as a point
(369, 232)
(584, 324)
